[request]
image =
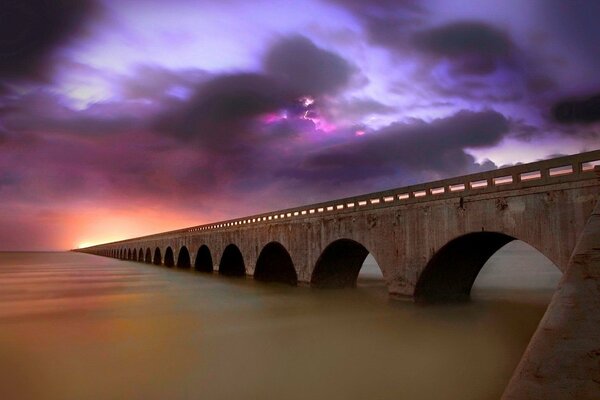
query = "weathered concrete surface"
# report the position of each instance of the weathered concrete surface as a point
(562, 360)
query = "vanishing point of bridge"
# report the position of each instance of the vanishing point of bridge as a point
(430, 241)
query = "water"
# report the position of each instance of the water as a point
(75, 326)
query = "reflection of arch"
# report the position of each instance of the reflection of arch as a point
(148, 258)
(157, 260)
(204, 260)
(169, 259)
(232, 262)
(183, 259)
(141, 255)
(274, 264)
(339, 264)
(450, 273)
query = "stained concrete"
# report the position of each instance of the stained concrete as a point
(562, 360)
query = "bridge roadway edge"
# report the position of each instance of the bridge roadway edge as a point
(562, 360)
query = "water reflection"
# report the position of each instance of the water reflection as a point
(74, 326)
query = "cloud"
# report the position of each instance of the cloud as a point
(388, 23)
(306, 68)
(475, 47)
(223, 114)
(572, 111)
(355, 108)
(33, 29)
(223, 110)
(401, 149)
(154, 82)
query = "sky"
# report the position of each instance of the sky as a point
(121, 118)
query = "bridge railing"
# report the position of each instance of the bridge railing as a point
(558, 170)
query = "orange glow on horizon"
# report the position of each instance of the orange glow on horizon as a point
(98, 226)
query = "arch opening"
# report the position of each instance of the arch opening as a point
(169, 259)
(232, 262)
(339, 264)
(275, 264)
(183, 259)
(451, 272)
(134, 255)
(157, 260)
(129, 254)
(141, 255)
(148, 258)
(204, 261)
(517, 273)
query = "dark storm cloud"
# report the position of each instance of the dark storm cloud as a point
(222, 112)
(223, 109)
(153, 82)
(42, 111)
(30, 30)
(460, 38)
(399, 149)
(387, 22)
(571, 111)
(576, 24)
(306, 68)
(475, 47)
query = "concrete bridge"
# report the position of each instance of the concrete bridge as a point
(430, 241)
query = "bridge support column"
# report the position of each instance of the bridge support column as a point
(562, 360)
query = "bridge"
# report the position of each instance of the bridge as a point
(430, 241)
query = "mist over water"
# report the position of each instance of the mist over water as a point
(75, 326)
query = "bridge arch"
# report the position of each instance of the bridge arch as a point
(275, 264)
(141, 255)
(157, 259)
(183, 258)
(134, 255)
(204, 261)
(232, 262)
(451, 272)
(169, 260)
(339, 264)
(148, 258)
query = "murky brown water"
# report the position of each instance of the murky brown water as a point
(75, 326)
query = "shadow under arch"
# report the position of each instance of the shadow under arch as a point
(183, 258)
(232, 262)
(275, 264)
(129, 254)
(134, 255)
(339, 264)
(157, 260)
(141, 255)
(204, 261)
(169, 258)
(148, 258)
(451, 272)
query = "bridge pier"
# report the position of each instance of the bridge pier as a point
(562, 361)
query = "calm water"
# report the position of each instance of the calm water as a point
(76, 326)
